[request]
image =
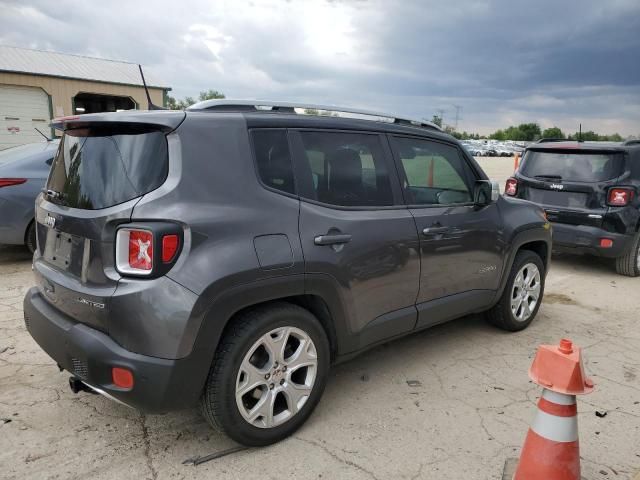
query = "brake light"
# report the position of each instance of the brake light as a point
(620, 197)
(122, 377)
(141, 249)
(511, 188)
(8, 182)
(134, 251)
(170, 245)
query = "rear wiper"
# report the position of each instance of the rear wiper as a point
(548, 177)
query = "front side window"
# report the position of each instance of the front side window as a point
(346, 169)
(273, 159)
(434, 172)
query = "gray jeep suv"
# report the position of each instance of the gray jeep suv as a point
(229, 254)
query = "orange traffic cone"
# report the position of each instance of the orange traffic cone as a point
(551, 450)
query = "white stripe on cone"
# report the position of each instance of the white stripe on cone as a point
(558, 398)
(558, 429)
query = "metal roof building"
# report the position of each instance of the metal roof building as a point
(37, 85)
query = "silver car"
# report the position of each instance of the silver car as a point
(23, 173)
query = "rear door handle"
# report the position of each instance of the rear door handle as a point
(435, 230)
(332, 239)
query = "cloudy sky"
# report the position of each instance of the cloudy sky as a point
(504, 62)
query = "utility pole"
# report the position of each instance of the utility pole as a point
(458, 116)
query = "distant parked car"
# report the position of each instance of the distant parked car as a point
(23, 173)
(473, 150)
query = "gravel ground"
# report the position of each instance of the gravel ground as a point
(452, 402)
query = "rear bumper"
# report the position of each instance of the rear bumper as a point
(581, 239)
(160, 385)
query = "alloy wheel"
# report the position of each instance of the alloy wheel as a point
(276, 377)
(525, 293)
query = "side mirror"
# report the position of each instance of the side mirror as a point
(485, 192)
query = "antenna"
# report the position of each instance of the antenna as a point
(38, 130)
(151, 105)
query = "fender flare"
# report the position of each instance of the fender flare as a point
(216, 312)
(534, 234)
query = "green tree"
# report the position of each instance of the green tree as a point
(530, 131)
(437, 119)
(553, 132)
(185, 103)
(210, 95)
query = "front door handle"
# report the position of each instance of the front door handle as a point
(435, 230)
(332, 239)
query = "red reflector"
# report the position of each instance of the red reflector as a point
(169, 247)
(122, 377)
(141, 249)
(606, 243)
(511, 188)
(619, 197)
(7, 182)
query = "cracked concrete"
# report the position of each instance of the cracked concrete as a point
(469, 413)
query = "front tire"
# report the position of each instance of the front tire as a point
(522, 294)
(268, 374)
(629, 263)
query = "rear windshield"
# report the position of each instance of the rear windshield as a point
(95, 168)
(573, 166)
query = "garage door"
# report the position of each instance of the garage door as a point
(21, 110)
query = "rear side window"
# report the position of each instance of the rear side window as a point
(346, 169)
(572, 166)
(435, 173)
(273, 159)
(96, 168)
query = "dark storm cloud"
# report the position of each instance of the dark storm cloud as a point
(558, 63)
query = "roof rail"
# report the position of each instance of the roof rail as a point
(306, 109)
(550, 140)
(631, 142)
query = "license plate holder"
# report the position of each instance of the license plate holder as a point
(57, 250)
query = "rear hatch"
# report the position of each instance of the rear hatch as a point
(100, 172)
(570, 184)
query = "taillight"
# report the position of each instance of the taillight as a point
(134, 251)
(147, 249)
(140, 249)
(170, 244)
(620, 197)
(511, 187)
(8, 182)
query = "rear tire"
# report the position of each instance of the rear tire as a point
(629, 263)
(30, 237)
(516, 308)
(268, 374)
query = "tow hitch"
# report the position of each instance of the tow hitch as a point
(78, 385)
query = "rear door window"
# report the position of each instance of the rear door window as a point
(345, 169)
(572, 166)
(98, 168)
